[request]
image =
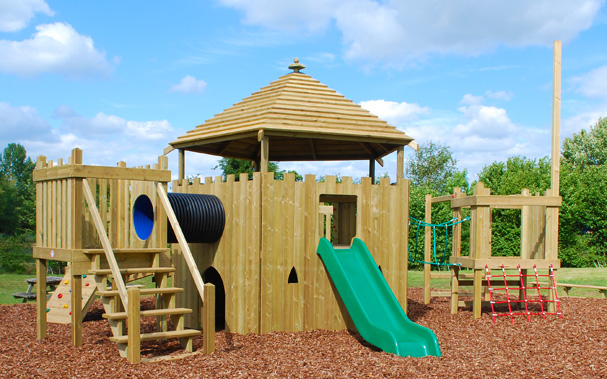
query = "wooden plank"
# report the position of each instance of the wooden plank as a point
(310, 244)
(101, 172)
(298, 256)
(134, 336)
(208, 320)
(187, 254)
(106, 243)
(287, 241)
(512, 201)
(267, 248)
(508, 262)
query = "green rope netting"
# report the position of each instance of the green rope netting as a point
(454, 221)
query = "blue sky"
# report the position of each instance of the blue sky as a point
(122, 79)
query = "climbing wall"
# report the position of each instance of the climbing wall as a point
(59, 306)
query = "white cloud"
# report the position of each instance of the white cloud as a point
(189, 84)
(16, 15)
(395, 32)
(309, 16)
(500, 95)
(479, 134)
(56, 48)
(159, 130)
(593, 83)
(393, 112)
(22, 123)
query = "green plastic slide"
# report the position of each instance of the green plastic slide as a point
(376, 313)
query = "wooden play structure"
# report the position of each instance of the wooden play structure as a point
(539, 240)
(539, 225)
(263, 274)
(83, 217)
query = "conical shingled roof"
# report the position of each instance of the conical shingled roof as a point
(304, 119)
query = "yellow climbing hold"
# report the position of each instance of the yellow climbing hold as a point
(65, 305)
(67, 282)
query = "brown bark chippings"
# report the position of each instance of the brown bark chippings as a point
(574, 347)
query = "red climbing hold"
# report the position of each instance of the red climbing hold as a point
(60, 295)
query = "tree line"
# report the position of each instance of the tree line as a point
(433, 170)
(583, 187)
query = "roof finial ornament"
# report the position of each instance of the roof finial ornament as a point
(296, 66)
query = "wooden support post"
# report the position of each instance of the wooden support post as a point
(208, 319)
(265, 152)
(41, 297)
(76, 309)
(427, 248)
(400, 163)
(133, 351)
(454, 288)
(478, 292)
(181, 164)
(372, 170)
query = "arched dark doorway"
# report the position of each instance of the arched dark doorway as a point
(210, 275)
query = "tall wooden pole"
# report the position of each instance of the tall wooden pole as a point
(556, 119)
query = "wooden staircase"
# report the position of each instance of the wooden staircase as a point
(148, 262)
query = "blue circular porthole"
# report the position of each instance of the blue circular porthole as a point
(143, 217)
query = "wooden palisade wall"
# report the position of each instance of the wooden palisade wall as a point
(272, 231)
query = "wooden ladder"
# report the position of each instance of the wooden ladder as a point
(119, 317)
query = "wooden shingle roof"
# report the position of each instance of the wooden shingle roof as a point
(304, 120)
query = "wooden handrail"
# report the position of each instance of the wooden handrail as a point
(183, 244)
(105, 242)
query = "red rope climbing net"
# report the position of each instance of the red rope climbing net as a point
(524, 301)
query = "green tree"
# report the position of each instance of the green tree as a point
(587, 148)
(583, 220)
(433, 170)
(511, 178)
(433, 167)
(18, 191)
(234, 166)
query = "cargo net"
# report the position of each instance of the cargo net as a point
(532, 303)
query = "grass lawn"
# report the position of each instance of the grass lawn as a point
(10, 283)
(588, 276)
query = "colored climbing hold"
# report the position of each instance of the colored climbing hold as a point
(65, 305)
(87, 284)
(60, 295)
(67, 282)
(70, 313)
(48, 309)
(70, 290)
(83, 276)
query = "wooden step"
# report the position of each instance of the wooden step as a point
(159, 335)
(144, 291)
(129, 251)
(130, 271)
(149, 313)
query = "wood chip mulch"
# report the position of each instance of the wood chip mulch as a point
(572, 347)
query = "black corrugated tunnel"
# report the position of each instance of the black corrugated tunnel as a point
(201, 217)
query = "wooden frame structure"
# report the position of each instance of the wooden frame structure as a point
(84, 218)
(539, 239)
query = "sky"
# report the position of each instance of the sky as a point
(122, 79)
